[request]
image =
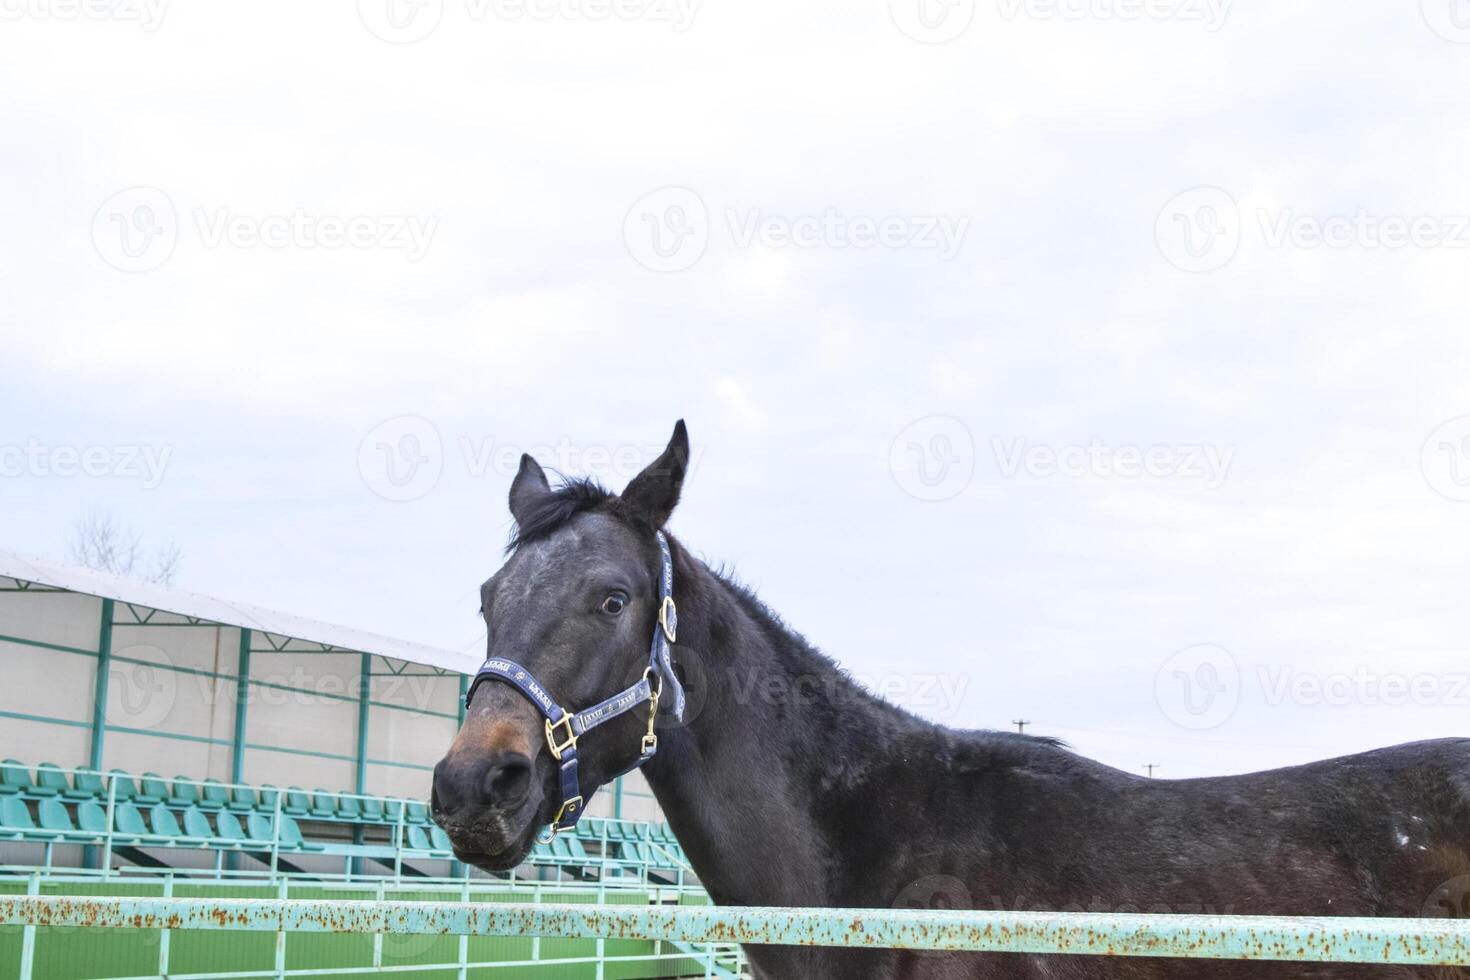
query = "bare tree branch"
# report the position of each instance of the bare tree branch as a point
(98, 542)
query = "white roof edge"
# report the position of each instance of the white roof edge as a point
(73, 578)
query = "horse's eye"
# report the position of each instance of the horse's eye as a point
(613, 604)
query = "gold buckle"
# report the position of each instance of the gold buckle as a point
(570, 743)
(650, 741)
(570, 806)
(663, 616)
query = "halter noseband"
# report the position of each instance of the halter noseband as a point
(564, 728)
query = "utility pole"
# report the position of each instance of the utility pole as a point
(1151, 766)
(1021, 724)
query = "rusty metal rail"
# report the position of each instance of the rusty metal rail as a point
(1336, 940)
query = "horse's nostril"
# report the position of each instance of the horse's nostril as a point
(508, 780)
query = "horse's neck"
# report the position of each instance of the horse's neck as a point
(730, 780)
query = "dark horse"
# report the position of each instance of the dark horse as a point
(789, 785)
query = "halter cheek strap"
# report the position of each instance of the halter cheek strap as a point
(564, 728)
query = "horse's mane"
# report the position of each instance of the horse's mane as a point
(549, 511)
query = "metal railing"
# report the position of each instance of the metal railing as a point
(1306, 939)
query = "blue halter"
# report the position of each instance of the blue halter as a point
(564, 728)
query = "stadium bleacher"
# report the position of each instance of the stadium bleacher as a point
(141, 818)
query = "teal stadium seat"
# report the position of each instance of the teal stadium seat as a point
(372, 809)
(418, 839)
(323, 804)
(163, 822)
(440, 839)
(152, 789)
(392, 810)
(268, 797)
(128, 822)
(291, 838)
(214, 796)
(14, 777)
(15, 818)
(50, 781)
(122, 784)
(297, 804)
(185, 794)
(54, 816)
(242, 799)
(348, 808)
(91, 817)
(416, 812)
(196, 825)
(86, 786)
(258, 828)
(228, 827)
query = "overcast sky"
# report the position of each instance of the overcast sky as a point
(1100, 364)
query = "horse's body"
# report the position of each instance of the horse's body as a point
(861, 805)
(789, 785)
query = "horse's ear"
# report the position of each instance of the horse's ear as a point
(529, 485)
(652, 494)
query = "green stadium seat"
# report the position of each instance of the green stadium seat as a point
(122, 784)
(54, 816)
(291, 838)
(268, 797)
(163, 823)
(348, 808)
(185, 794)
(323, 804)
(196, 824)
(297, 803)
(418, 838)
(258, 828)
(128, 822)
(152, 789)
(91, 817)
(440, 839)
(15, 818)
(14, 777)
(392, 810)
(416, 812)
(86, 786)
(372, 809)
(541, 854)
(214, 796)
(242, 799)
(50, 780)
(227, 827)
